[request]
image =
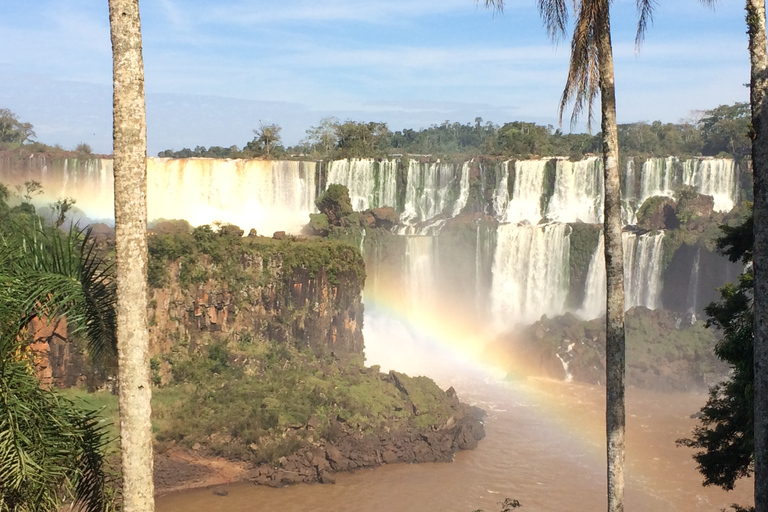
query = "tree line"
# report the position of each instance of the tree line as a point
(721, 130)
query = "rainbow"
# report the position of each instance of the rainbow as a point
(443, 334)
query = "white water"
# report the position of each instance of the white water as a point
(658, 178)
(461, 201)
(371, 183)
(434, 192)
(693, 288)
(528, 189)
(578, 192)
(268, 196)
(594, 287)
(714, 177)
(530, 273)
(643, 257)
(420, 267)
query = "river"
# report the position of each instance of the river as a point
(544, 447)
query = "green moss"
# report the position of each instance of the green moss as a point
(651, 205)
(260, 411)
(227, 259)
(584, 240)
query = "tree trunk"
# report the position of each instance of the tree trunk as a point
(614, 266)
(130, 165)
(758, 85)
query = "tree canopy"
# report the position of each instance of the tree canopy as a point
(724, 129)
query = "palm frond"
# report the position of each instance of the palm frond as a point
(644, 19)
(50, 274)
(554, 13)
(583, 83)
(49, 449)
(493, 5)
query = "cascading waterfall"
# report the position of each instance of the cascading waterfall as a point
(433, 190)
(88, 181)
(657, 178)
(420, 258)
(484, 254)
(629, 200)
(693, 287)
(530, 272)
(714, 177)
(643, 257)
(264, 195)
(461, 201)
(528, 189)
(594, 287)
(371, 183)
(578, 194)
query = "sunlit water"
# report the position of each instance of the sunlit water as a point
(544, 447)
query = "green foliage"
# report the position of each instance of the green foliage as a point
(50, 449)
(738, 240)
(48, 273)
(12, 129)
(724, 129)
(334, 202)
(318, 222)
(727, 129)
(657, 139)
(258, 410)
(584, 240)
(649, 207)
(726, 435)
(266, 140)
(227, 258)
(84, 148)
(685, 196)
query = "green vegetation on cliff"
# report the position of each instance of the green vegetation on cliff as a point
(584, 240)
(227, 257)
(261, 401)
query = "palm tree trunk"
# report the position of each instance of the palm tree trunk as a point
(758, 87)
(614, 266)
(130, 167)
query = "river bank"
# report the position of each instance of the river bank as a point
(181, 469)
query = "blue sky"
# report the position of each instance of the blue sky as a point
(214, 69)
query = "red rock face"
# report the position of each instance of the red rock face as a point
(59, 361)
(304, 307)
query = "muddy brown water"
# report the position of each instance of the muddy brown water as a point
(544, 447)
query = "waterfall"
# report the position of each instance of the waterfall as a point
(371, 183)
(420, 258)
(578, 193)
(528, 189)
(265, 195)
(565, 357)
(629, 200)
(629, 180)
(530, 272)
(657, 178)
(714, 177)
(484, 254)
(434, 192)
(501, 192)
(693, 288)
(88, 181)
(643, 258)
(461, 201)
(594, 287)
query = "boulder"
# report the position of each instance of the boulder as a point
(385, 217)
